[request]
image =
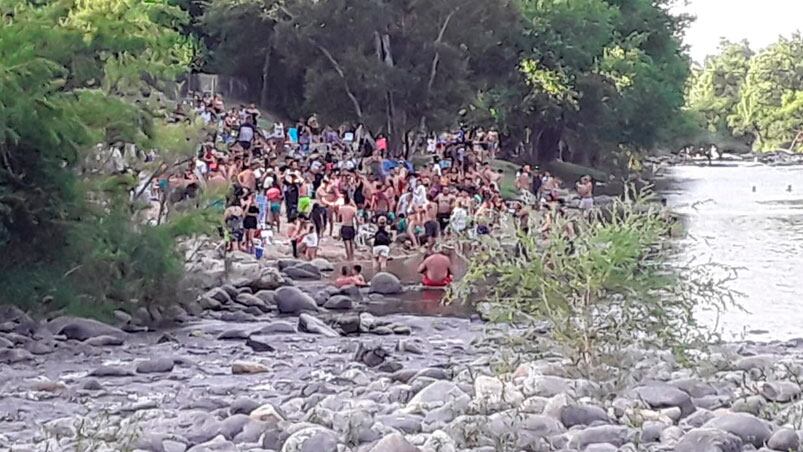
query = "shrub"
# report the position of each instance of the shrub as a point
(610, 288)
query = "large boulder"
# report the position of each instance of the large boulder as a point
(709, 440)
(248, 272)
(204, 274)
(82, 329)
(303, 271)
(338, 302)
(385, 284)
(666, 396)
(291, 300)
(749, 428)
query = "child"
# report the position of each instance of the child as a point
(310, 241)
(357, 278)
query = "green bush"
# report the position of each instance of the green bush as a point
(610, 288)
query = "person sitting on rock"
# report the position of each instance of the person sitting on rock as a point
(436, 270)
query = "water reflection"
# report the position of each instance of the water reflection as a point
(745, 216)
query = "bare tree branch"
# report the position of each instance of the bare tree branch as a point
(342, 74)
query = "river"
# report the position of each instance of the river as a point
(758, 230)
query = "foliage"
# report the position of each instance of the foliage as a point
(73, 75)
(608, 289)
(754, 97)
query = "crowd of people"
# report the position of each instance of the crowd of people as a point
(316, 186)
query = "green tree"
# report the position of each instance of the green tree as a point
(75, 74)
(769, 107)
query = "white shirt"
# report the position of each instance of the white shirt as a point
(311, 240)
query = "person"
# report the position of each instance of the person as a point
(445, 201)
(250, 222)
(432, 228)
(350, 276)
(585, 188)
(382, 241)
(274, 196)
(246, 133)
(294, 225)
(348, 212)
(309, 240)
(436, 270)
(233, 218)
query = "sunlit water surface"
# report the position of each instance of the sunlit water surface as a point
(760, 232)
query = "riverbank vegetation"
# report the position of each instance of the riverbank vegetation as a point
(604, 284)
(78, 78)
(748, 99)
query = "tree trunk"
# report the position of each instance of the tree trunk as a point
(263, 95)
(342, 74)
(547, 144)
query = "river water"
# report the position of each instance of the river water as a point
(758, 230)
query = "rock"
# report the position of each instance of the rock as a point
(651, 431)
(666, 396)
(435, 395)
(601, 447)
(311, 439)
(370, 356)
(266, 413)
(82, 329)
(322, 264)
(169, 445)
(394, 442)
(249, 300)
(218, 294)
(91, 384)
(755, 362)
(243, 405)
(111, 371)
(582, 415)
(235, 334)
(259, 346)
(216, 444)
(780, 391)
(694, 388)
(233, 425)
(314, 325)
(245, 368)
(709, 440)
(122, 316)
(38, 348)
(268, 297)
(749, 428)
(698, 419)
(784, 440)
(347, 324)
(751, 404)
(406, 423)
(526, 428)
(209, 303)
(155, 366)
(492, 393)
(287, 263)
(439, 441)
(338, 302)
(291, 300)
(385, 284)
(617, 435)
(303, 271)
(5, 343)
(410, 346)
(277, 327)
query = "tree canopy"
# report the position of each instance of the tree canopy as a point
(752, 96)
(75, 74)
(554, 75)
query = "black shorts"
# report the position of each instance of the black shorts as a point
(250, 222)
(245, 144)
(347, 233)
(443, 220)
(432, 229)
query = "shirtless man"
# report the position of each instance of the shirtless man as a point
(431, 227)
(348, 212)
(436, 270)
(247, 179)
(585, 188)
(445, 202)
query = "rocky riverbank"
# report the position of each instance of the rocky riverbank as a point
(270, 357)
